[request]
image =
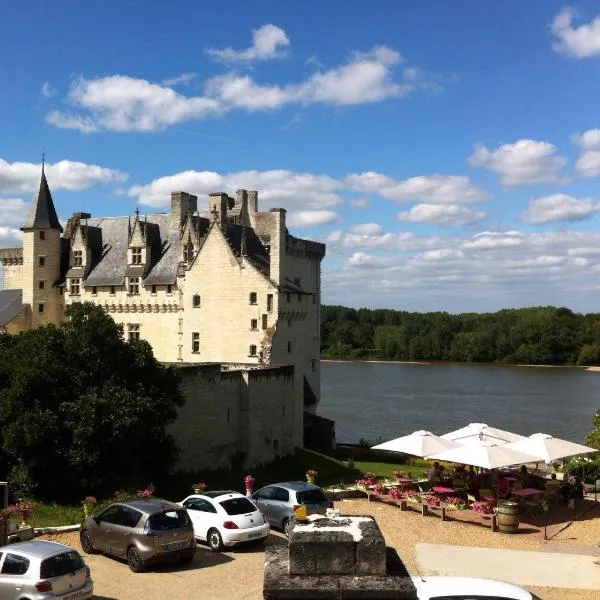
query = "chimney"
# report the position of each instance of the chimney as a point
(277, 245)
(217, 204)
(252, 201)
(181, 204)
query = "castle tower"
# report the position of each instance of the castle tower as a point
(41, 258)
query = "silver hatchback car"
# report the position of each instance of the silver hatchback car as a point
(141, 531)
(279, 501)
(40, 570)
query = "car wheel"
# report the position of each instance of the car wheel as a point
(287, 526)
(134, 560)
(215, 541)
(86, 542)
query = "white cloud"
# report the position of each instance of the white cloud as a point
(360, 203)
(579, 42)
(521, 163)
(47, 90)
(122, 103)
(366, 228)
(588, 163)
(278, 188)
(486, 271)
(12, 211)
(311, 218)
(9, 237)
(268, 42)
(446, 215)
(559, 207)
(182, 79)
(22, 177)
(431, 189)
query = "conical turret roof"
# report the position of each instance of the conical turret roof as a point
(42, 214)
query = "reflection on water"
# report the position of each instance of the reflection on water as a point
(389, 400)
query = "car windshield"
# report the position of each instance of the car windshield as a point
(238, 506)
(62, 564)
(169, 519)
(311, 497)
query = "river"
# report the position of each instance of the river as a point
(387, 400)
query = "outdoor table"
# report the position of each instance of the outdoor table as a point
(524, 493)
(443, 490)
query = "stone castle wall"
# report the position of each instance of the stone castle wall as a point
(228, 412)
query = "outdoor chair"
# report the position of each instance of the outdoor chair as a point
(424, 486)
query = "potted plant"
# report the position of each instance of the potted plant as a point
(311, 475)
(456, 503)
(414, 497)
(199, 488)
(26, 509)
(249, 484)
(483, 507)
(147, 492)
(88, 504)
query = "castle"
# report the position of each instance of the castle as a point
(229, 286)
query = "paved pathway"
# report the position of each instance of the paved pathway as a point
(543, 569)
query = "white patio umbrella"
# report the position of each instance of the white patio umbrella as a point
(481, 432)
(481, 454)
(548, 448)
(418, 443)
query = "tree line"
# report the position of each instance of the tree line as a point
(539, 335)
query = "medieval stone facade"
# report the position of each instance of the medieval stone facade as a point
(229, 285)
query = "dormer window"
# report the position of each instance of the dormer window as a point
(136, 256)
(77, 258)
(134, 286)
(74, 287)
(188, 253)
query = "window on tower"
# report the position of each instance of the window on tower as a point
(252, 350)
(41, 261)
(77, 258)
(136, 256)
(42, 235)
(196, 342)
(41, 307)
(196, 300)
(252, 298)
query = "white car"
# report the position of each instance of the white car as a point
(225, 519)
(468, 588)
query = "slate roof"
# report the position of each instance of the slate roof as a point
(42, 213)
(108, 238)
(11, 304)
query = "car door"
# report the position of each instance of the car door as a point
(203, 515)
(12, 575)
(282, 509)
(120, 538)
(107, 521)
(264, 500)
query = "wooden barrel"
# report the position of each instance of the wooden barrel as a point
(508, 517)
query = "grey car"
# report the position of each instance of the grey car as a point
(40, 570)
(279, 501)
(143, 532)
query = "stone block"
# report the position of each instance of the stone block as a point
(376, 588)
(316, 552)
(370, 550)
(278, 584)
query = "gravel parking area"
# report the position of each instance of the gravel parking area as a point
(237, 575)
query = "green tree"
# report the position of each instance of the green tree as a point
(84, 411)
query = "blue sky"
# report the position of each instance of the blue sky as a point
(448, 154)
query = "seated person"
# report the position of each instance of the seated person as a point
(503, 487)
(445, 477)
(434, 476)
(474, 484)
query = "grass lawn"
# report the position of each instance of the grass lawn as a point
(54, 515)
(387, 469)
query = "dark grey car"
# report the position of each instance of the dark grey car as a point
(141, 531)
(279, 501)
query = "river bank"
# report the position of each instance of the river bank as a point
(594, 369)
